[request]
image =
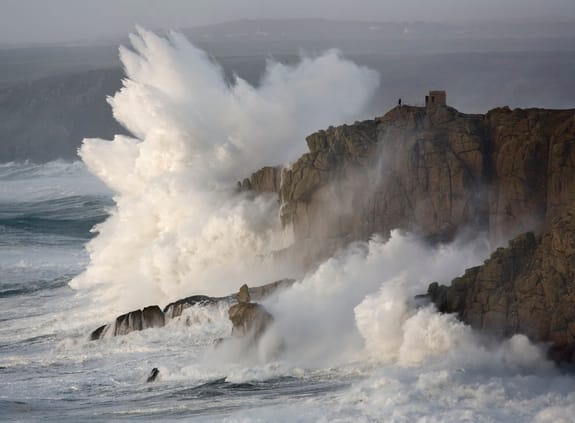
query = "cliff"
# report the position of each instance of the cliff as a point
(528, 287)
(432, 171)
(437, 172)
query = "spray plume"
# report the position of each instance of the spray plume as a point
(177, 227)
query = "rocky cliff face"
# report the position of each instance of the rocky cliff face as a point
(528, 287)
(532, 157)
(433, 171)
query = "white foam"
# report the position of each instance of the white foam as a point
(365, 295)
(178, 228)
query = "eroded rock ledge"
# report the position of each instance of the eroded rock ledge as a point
(154, 317)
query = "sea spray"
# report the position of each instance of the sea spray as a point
(179, 227)
(358, 301)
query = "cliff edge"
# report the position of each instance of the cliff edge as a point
(437, 172)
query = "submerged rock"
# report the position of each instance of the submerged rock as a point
(99, 333)
(153, 375)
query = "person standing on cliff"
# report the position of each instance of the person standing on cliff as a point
(399, 102)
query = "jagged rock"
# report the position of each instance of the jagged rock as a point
(176, 308)
(432, 171)
(154, 317)
(149, 317)
(99, 333)
(128, 322)
(267, 179)
(532, 158)
(528, 288)
(243, 296)
(153, 375)
(248, 319)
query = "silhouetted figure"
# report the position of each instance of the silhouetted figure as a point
(399, 102)
(153, 375)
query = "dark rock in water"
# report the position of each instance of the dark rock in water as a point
(150, 317)
(128, 322)
(248, 319)
(527, 288)
(99, 333)
(153, 317)
(153, 375)
(176, 308)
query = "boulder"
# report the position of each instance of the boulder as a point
(248, 319)
(149, 317)
(99, 333)
(176, 308)
(154, 317)
(243, 296)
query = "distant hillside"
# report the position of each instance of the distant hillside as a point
(54, 96)
(47, 119)
(310, 29)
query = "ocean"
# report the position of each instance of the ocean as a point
(155, 217)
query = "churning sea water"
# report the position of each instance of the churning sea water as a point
(51, 371)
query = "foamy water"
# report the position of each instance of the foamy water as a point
(349, 342)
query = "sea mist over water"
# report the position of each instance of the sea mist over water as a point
(178, 227)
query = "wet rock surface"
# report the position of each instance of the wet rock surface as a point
(435, 172)
(527, 287)
(432, 171)
(154, 317)
(248, 319)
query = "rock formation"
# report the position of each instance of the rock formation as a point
(435, 171)
(267, 179)
(149, 317)
(176, 308)
(432, 171)
(154, 317)
(249, 319)
(528, 288)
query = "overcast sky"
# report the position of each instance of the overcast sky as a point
(70, 20)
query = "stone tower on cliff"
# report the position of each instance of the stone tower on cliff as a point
(436, 98)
